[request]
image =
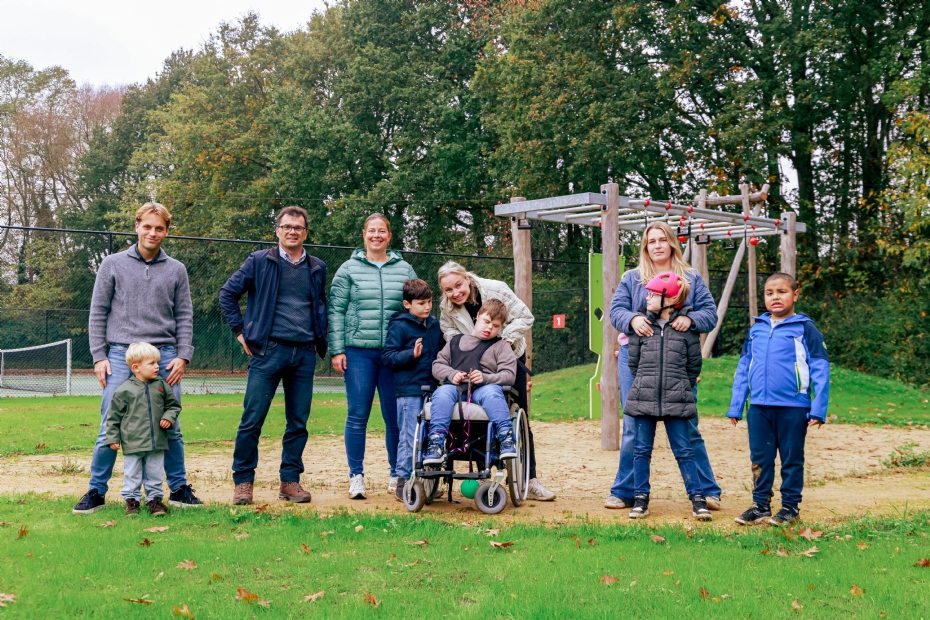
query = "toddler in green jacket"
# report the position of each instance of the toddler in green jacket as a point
(142, 410)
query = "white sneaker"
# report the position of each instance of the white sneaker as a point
(615, 502)
(538, 492)
(713, 502)
(357, 487)
(392, 485)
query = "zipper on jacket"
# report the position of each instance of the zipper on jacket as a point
(661, 352)
(148, 399)
(146, 271)
(381, 323)
(768, 347)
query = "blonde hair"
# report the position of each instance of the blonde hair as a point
(647, 269)
(139, 352)
(156, 208)
(452, 268)
(682, 293)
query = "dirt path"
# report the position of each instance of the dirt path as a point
(844, 475)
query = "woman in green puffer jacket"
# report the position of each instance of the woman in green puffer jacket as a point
(366, 291)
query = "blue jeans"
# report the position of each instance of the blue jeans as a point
(364, 373)
(677, 431)
(623, 483)
(489, 397)
(101, 464)
(295, 366)
(407, 409)
(782, 430)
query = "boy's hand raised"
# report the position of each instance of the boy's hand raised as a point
(165, 424)
(476, 377)
(459, 377)
(418, 348)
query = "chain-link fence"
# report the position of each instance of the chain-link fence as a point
(219, 364)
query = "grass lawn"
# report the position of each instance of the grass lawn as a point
(70, 566)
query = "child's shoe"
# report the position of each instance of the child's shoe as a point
(756, 514)
(399, 491)
(156, 507)
(615, 502)
(357, 487)
(536, 491)
(392, 484)
(640, 507)
(787, 514)
(435, 450)
(508, 445)
(699, 509)
(132, 507)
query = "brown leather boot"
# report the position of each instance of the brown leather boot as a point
(243, 493)
(292, 491)
(157, 508)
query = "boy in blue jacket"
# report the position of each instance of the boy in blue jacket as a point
(413, 341)
(782, 362)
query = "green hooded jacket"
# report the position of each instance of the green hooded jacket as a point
(135, 411)
(362, 299)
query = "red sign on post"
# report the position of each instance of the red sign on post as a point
(558, 321)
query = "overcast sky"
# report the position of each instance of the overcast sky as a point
(110, 42)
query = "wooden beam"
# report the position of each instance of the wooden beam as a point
(735, 200)
(699, 256)
(752, 286)
(789, 244)
(558, 202)
(523, 272)
(610, 388)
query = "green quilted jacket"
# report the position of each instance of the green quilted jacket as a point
(362, 299)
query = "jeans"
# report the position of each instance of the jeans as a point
(101, 464)
(408, 407)
(364, 373)
(295, 366)
(677, 431)
(623, 483)
(782, 430)
(489, 397)
(143, 469)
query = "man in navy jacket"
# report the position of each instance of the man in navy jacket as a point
(284, 326)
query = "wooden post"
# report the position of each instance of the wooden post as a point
(752, 288)
(699, 255)
(610, 388)
(789, 244)
(523, 278)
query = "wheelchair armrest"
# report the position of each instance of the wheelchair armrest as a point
(426, 389)
(506, 388)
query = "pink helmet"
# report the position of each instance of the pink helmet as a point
(668, 284)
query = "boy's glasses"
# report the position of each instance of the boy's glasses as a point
(297, 229)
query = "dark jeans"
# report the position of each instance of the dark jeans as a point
(365, 373)
(677, 431)
(295, 366)
(523, 400)
(782, 430)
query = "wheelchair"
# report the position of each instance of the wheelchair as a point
(471, 440)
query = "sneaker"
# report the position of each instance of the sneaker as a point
(184, 497)
(243, 493)
(357, 487)
(156, 507)
(90, 503)
(613, 501)
(640, 507)
(293, 492)
(699, 508)
(399, 491)
(538, 492)
(132, 507)
(787, 514)
(713, 502)
(435, 451)
(392, 485)
(508, 445)
(755, 514)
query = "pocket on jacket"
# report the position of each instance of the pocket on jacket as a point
(352, 325)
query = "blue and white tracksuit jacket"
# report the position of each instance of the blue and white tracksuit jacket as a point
(780, 366)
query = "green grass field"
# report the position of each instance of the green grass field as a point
(67, 566)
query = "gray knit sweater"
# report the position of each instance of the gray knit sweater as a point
(138, 302)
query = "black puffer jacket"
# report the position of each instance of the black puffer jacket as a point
(665, 368)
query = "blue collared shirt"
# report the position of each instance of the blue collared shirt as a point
(287, 257)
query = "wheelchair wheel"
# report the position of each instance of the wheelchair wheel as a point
(498, 501)
(414, 496)
(518, 469)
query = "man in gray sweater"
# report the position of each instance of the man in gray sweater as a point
(140, 295)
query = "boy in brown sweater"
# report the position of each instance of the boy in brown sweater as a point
(476, 367)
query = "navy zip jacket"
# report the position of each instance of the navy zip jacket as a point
(779, 367)
(259, 277)
(410, 373)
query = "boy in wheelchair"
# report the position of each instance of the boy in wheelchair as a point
(473, 369)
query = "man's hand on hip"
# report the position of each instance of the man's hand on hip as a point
(102, 369)
(245, 347)
(176, 367)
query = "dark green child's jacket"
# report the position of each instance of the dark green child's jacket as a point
(135, 411)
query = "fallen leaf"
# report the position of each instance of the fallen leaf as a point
(796, 604)
(415, 562)
(159, 575)
(608, 580)
(688, 531)
(423, 542)
(704, 593)
(139, 601)
(261, 509)
(810, 552)
(494, 543)
(392, 556)
(370, 599)
(668, 573)
(359, 528)
(157, 529)
(7, 598)
(305, 548)
(493, 532)
(23, 531)
(811, 586)
(856, 591)
(146, 543)
(923, 563)
(5, 523)
(782, 553)
(242, 535)
(108, 524)
(215, 577)
(657, 538)
(325, 555)
(314, 597)
(716, 599)
(183, 611)
(41, 446)
(325, 534)
(187, 564)
(245, 596)
(232, 511)
(765, 551)
(862, 545)
(591, 541)
(810, 534)
(632, 583)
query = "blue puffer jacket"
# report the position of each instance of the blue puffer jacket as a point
(410, 373)
(779, 366)
(631, 297)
